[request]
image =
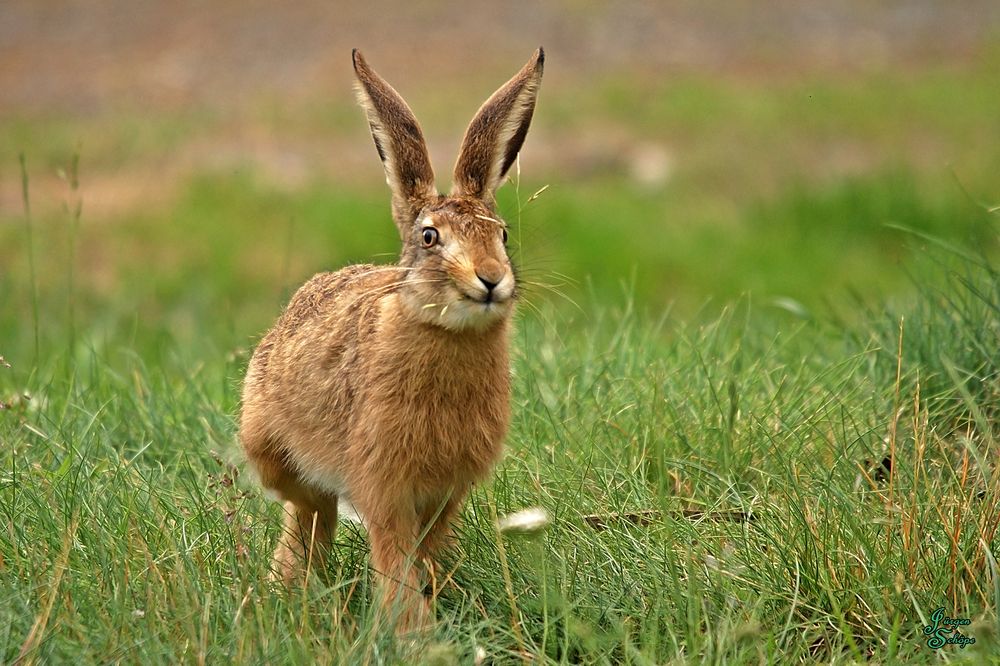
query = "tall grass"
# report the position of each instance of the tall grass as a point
(951, 336)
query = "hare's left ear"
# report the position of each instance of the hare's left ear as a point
(497, 132)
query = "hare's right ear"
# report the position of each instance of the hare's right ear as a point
(496, 133)
(399, 142)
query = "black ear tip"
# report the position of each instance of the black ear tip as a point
(541, 56)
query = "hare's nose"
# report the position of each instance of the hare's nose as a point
(490, 273)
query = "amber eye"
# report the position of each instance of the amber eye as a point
(504, 232)
(430, 236)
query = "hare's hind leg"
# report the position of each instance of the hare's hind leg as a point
(310, 515)
(306, 537)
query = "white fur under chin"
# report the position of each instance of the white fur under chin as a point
(467, 313)
(462, 314)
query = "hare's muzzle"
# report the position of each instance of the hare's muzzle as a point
(491, 274)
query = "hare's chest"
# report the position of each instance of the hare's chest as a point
(458, 440)
(444, 415)
(459, 403)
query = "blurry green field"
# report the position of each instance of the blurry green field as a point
(778, 190)
(722, 346)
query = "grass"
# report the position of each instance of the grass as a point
(758, 442)
(768, 432)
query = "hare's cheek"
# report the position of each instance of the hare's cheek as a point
(448, 290)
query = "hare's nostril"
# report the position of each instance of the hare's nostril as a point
(489, 284)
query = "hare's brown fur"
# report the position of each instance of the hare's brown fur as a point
(389, 386)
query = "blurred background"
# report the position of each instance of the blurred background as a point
(174, 170)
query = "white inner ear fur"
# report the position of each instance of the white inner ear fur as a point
(511, 124)
(383, 144)
(378, 131)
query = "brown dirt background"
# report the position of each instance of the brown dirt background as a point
(270, 76)
(84, 58)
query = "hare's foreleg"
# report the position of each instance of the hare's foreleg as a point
(393, 533)
(436, 520)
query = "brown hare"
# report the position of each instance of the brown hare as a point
(388, 387)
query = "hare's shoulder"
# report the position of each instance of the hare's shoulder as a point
(320, 316)
(327, 298)
(332, 293)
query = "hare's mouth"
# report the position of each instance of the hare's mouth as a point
(487, 300)
(486, 294)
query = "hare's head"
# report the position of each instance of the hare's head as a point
(454, 246)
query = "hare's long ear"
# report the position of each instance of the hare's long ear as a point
(497, 132)
(399, 142)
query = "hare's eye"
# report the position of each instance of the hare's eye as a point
(430, 236)
(504, 233)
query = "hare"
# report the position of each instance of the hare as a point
(388, 387)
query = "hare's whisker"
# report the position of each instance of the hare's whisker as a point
(385, 288)
(527, 303)
(552, 289)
